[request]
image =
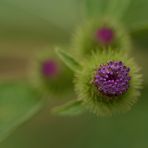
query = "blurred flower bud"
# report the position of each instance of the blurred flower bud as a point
(97, 35)
(50, 75)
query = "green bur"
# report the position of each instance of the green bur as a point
(49, 75)
(100, 34)
(87, 94)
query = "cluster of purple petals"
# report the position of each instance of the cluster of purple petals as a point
(112, 79)
(105, 35)
(49, 68)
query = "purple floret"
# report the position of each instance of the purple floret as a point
(49, 68)
(105, 35)
(112, 79)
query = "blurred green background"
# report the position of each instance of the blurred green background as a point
(27, 26)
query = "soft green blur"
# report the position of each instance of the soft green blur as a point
(27, 26)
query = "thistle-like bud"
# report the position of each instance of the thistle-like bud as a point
(109, 82)
(100, 35)
(105, 35)
(49, 74)
(112, 79)
(49, 68)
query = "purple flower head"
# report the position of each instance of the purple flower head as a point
(49, 68)
(112, 79)
(105, 35)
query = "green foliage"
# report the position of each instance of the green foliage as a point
(136, 17)
(117, 8)
(96, 8)
(101, 8)
(132, 13)
(71, 108)
(86, 131)
(18, 103)
(68, 60)
(65, 14)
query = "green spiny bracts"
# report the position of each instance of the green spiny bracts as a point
(108, 83)
(100, 35)
(49, 74)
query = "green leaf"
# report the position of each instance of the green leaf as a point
(68, 59)
(101, 8)
(136, 15)
(69, 109)
(96, 8)
(133, 13)
(117, 8)
(18, 103)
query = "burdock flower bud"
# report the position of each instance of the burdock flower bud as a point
(100, 34)
(49, 74)
(49, 68)
(105, 35)
(109, 82)
(112, 79)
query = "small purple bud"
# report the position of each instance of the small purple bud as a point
(105, 35)
(49, 68)
(112, 79)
